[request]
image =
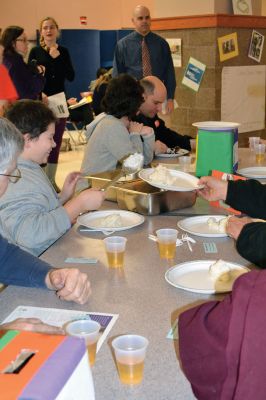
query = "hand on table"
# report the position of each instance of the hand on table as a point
(235, 225)
(160, 147)
(70, 284)
(33, 325)
(214, 189)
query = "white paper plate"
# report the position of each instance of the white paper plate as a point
(181, 152)
(92, 220)
(187, 182)
(79, 104)
(199, 226)
(216, 125)
(194, 276)
(253, 172)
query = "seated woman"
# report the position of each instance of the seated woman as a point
(248, 197)
(99, 92)
(34, 215)
(112, 135)
(223, 344)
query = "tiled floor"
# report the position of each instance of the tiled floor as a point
(69, 160)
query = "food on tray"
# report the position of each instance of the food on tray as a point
(134, 162)
(111, 221)
(162, 175)
(173, 150)
(220, 271)
(218, 225)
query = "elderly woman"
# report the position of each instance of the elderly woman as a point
(28, 81)
(113, 135)
(18, 267)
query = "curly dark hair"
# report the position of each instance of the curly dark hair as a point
(30, 116)
(123, 97)
(9, 36)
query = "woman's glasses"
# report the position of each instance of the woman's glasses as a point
(22, 40)
(16, 175)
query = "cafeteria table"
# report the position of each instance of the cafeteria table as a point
(146, 303)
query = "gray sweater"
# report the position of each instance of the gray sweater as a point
(109, 141)
(31, 214)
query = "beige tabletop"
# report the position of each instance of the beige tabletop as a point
(146, 303)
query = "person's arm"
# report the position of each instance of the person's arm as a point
(118, 63)
(27, 84)
(32, 325)
(248, 197)
(66, 64)
(170, 137)
(169, 72)
(251, 243)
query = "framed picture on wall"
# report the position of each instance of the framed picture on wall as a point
(228, 46)
(175, 48)
(256, 46)
(242, 7)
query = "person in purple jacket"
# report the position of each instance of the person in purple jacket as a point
(18, 267)
(28, 79)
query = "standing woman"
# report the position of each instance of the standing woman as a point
(28, 81)
(58, 68)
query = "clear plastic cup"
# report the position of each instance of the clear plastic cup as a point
(193, 144)
(259, 150)
(167, 242)
(89, 330)
(185, 162)
(130, 351)
(252, 141)
(115, 247)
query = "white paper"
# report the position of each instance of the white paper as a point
(242, 7)
(57, 103)
(58, 317)
(243, 97)
(175, 48)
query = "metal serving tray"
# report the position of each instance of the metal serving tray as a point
(134, 194)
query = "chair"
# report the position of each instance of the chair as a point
(79, 117)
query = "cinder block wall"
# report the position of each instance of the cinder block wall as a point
(205, 105)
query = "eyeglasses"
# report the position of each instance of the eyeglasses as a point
(22, 40)
(14, 177)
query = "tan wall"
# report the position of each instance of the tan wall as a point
(106, 14)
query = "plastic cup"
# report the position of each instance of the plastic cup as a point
(115, 250)
(252, 141)
(167, 242)
(259, 150)
(184, 163)
(193, 144)
(130, 351)
(88, 330)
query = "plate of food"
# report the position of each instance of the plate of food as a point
(216, 125)
(173, 152)
(170, 179)
(110, 220)
(253, 172)
(205, 225)
(205, 276)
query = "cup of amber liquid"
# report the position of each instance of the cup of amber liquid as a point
(115, 247)
(259, 150)
(89, 330)
(130, 352)
(167, 242)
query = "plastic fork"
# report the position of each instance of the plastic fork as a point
(155, 239)
(186, 238)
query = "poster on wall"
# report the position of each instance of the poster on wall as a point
(243, 96)
(256, 46)
(242, 7)
(176, 51)
(228, 46)
(193, 74)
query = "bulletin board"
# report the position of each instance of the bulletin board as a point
(243, 97)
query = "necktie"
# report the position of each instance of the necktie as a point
(146, 62)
